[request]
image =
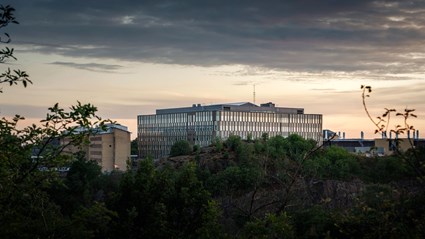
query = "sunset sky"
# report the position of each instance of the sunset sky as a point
(130, 57)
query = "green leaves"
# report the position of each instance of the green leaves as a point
(165, 203)
(382, 123)
(271, 226)
(6, 15)
(14, 77)
(181, 147)
(6, 53)
(30, 155)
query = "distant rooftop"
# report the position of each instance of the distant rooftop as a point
(98, 130)
(235, 103)
(238, 106)
(116, 126)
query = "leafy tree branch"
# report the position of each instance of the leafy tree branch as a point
(11, 77)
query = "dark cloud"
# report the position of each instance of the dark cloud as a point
(88, 66)
(357, 36)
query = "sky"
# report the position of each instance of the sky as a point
(130, 57)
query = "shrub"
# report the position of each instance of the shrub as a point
(181, 147)
(271, 226)
(233, 142)
(196, 148)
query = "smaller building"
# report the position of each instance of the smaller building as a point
(110, 148)
(377, 146)
(354, 145)
(402, 144)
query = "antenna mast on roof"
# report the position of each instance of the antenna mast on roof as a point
(254, 95)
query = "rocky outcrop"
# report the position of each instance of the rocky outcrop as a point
(335, 193)
(303, 192)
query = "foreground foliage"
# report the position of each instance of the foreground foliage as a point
(266, 188)
(260, 188)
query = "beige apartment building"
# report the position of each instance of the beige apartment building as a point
(110, 148)
(389, 146)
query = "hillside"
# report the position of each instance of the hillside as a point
(252, 180)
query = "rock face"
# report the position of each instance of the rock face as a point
(208, 158)
(334, 193)
(303, 193)
(330, 193)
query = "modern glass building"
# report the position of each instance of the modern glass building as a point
(200, 125)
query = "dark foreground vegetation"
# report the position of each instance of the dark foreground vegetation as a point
(267, 188)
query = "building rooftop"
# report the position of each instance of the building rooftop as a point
(98, 130)
(110, 127)
(238, 106)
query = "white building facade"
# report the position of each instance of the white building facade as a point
(200, 125)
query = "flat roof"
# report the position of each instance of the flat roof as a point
(238, 106)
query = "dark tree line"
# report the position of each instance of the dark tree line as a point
(272, 187)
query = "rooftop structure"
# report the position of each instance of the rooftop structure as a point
(239, 106)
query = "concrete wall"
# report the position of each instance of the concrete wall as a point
(122, 149)
(110, 150)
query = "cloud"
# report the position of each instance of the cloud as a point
(89, 66)
(360, 37)
(243, 83)
(31, 111)
(324, 89)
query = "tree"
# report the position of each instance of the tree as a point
(382, 212)
(233, 142)
(381, 123)
(25, 177)
(91, 222)
(181, 147)
(134, 147)
(182, 208)
(79, 187)
(31, 156)
(271, 226)
(332, 163)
